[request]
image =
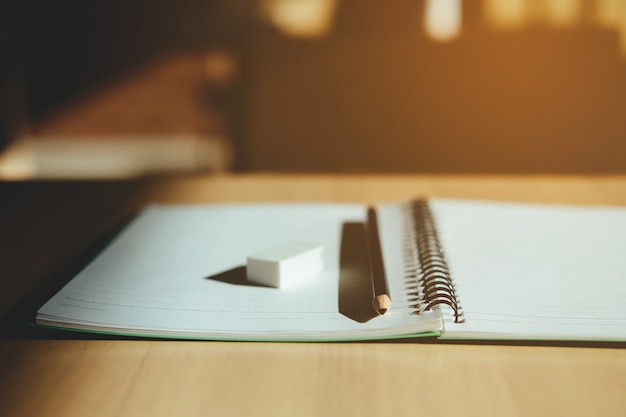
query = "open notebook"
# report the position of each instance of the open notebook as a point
(506, 271)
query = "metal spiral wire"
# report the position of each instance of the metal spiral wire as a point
(427, 275)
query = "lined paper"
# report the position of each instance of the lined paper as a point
(179, 271)
(531, 271)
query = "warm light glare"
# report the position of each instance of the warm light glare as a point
(300, 18)
(612, 14)
(558, 13)
(515, 14)
(505, 14)
(608, 12)
(563, 12)
(443, 19)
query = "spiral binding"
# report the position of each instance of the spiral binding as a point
(427, 275)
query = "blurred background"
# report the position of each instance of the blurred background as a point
(115, 89)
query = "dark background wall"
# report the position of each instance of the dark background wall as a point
(376, 94)
(379, 95)
(64, 49)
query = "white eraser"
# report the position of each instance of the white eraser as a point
(283, 265)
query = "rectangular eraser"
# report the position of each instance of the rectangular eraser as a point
(284, 265)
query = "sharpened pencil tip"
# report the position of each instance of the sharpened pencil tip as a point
(381, 303)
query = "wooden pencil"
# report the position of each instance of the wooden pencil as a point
(381, 302)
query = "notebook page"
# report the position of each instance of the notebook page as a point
(536, 271)
(179, 270)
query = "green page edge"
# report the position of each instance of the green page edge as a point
(434, 333)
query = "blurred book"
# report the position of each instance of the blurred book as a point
(112, 156)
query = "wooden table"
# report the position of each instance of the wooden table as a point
(48, 228)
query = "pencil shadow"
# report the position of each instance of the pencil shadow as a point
(355, 284)
(235, 276)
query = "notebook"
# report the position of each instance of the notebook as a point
(455, 269)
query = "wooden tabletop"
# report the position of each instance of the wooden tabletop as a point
(49, 229)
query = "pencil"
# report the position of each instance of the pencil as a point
(381, 302)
